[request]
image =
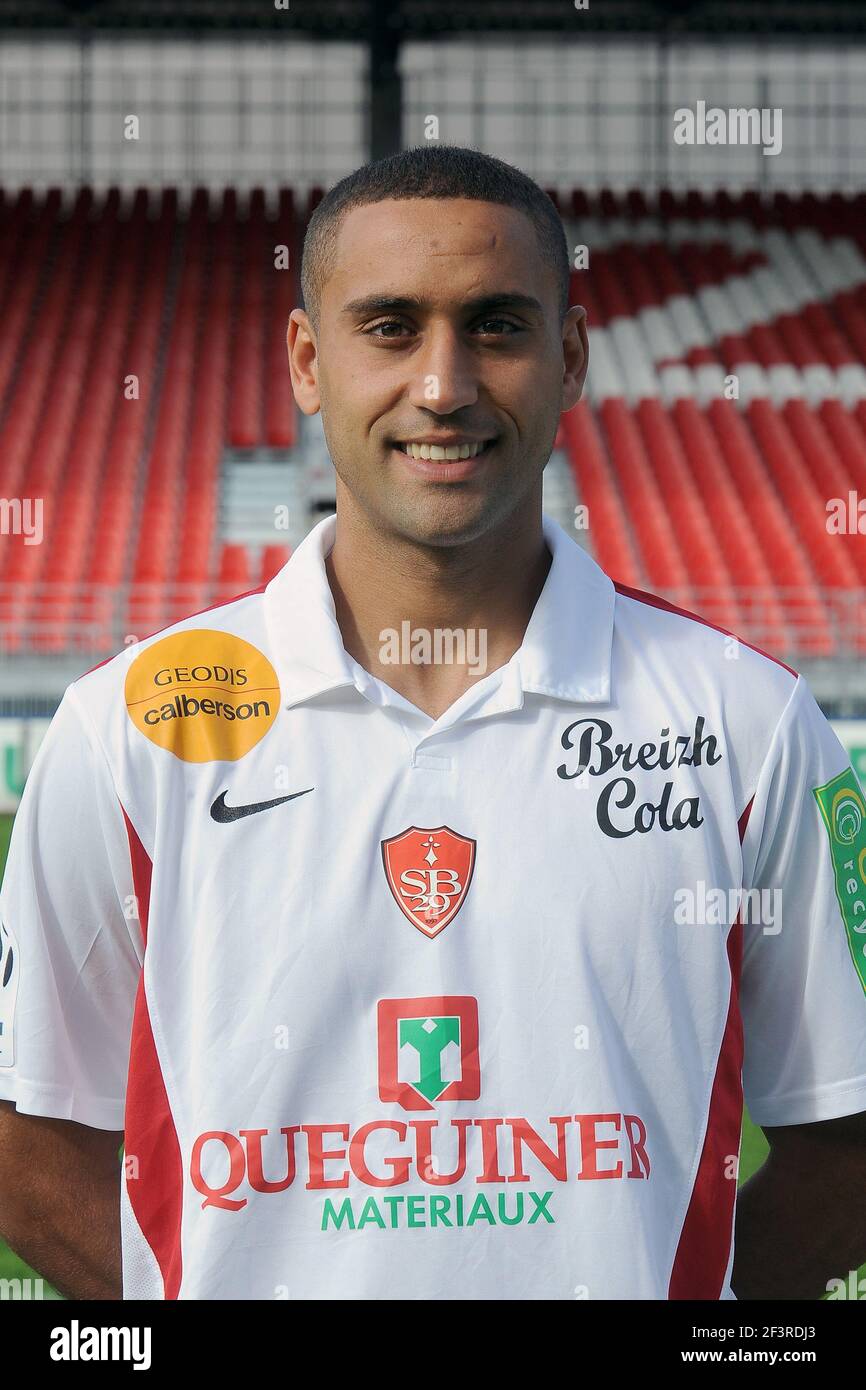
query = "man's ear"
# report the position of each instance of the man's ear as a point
(303, 362)
(575, 354)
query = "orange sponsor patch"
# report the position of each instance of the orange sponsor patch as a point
(203, 695)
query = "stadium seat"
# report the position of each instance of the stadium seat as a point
(725, 402)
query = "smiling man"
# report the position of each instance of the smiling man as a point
(424, 978)
(451, 353)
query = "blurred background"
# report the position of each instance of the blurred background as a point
(158, 162)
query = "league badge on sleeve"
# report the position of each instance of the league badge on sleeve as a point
(429, 873)
(844, 811)
(9, 970)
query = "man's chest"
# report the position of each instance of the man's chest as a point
(442, 942)
(573, 842)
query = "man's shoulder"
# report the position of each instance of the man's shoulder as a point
(697, 648)
(240, 616)
(684, 665)
(209, 664)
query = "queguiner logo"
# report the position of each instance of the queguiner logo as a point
(428, 1050)
(844, 813)
(428, 1060)
(429, 873)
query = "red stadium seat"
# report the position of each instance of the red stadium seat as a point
(272, 560)
(719, 504)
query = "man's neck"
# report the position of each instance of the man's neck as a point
(483, 592)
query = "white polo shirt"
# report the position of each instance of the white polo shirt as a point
(448, 1008)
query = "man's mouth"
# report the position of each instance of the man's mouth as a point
(443, 453)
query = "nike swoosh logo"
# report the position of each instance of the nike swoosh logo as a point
(223, 814)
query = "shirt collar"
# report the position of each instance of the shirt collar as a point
(566, 650)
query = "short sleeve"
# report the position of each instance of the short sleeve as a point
(70, 943)
(803, 981)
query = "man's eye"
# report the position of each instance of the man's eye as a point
(395, 328)
(376, 329)
(493, 326)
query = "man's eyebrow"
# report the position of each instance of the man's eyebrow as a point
(395, 304)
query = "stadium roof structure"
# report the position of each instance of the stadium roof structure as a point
(384, 26)
(428, 19)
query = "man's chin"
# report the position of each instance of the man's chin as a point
(446, 521)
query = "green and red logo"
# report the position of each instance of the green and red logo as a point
(843, 809)
(428, 1050)
(429, 872)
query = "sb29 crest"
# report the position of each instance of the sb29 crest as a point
(429, 873)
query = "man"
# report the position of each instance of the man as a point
(433, 852)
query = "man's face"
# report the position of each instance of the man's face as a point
(439, 326)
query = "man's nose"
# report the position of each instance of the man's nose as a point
(443, 374)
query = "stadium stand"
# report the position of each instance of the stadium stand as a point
(725, 404)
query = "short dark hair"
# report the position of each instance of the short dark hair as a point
(431, 171)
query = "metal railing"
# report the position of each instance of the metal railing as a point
(583, 109)
(99, 620)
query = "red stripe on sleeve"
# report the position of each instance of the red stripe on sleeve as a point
(704, 1247)
(653, 601)
(156, 1195)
